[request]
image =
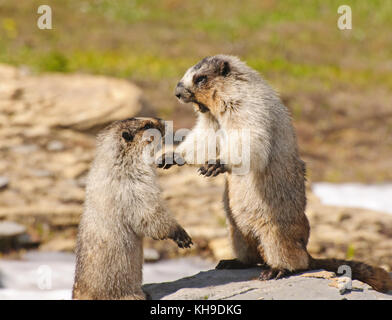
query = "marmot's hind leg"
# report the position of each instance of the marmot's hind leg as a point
(245, 249)
(283, 252)
(246, 252)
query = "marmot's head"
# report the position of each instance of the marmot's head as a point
(127, 141)
(212, 84)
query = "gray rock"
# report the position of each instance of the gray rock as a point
(4, 181)
(55, 145)
(77, 101)
(41, 173)
(11, 235)
(10, 229)
(25, 148)
(243, 285)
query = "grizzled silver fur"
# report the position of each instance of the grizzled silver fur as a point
(122, 206)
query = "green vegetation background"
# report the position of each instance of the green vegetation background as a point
(295, 44)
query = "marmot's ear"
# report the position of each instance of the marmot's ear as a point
(224, 68)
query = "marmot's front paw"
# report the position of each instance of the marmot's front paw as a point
(166, 160)
(212, 169)
(180, 237)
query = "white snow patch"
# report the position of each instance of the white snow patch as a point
(20, 279)
(373, 196)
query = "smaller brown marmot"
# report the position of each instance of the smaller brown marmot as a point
(122, 206)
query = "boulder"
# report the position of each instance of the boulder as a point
(4, 181)
(11, 235)
(244, 285)
(10, 229)
(76, 101)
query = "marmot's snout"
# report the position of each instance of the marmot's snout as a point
(183, 94)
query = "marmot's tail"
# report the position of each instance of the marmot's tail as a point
(376, 277)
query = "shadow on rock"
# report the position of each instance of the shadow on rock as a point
(201, 280)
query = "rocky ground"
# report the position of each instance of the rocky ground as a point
(244, 285)
(47, 128)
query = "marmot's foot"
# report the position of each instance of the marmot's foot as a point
(169, 159)
(273, 273)
(233, 264)
(212, 169)
(180, 237)
(147, 295)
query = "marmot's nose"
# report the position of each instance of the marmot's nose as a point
(179, 90)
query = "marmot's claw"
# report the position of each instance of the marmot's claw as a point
(274, 273)
(202, 170)
(167, 160)
(212, 169)
(182, 239)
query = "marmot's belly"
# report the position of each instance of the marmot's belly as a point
(250, 209)
(247, 208)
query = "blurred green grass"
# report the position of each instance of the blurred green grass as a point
(159, 39)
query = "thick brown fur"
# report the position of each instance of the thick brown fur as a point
(122, 206)
(376, 277)
(265, 206)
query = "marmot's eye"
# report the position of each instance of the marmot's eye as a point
(200, 79)
(127, 136)
(148, 126)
